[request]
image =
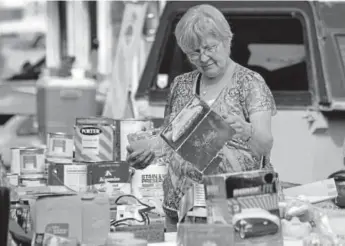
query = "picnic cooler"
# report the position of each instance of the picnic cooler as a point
(61, 100)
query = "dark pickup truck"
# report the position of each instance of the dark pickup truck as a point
(299, 49)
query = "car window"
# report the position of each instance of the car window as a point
(272, 45)
(275, 56)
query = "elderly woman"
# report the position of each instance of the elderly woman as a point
(238, 94)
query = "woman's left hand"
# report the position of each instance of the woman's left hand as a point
(241, 127)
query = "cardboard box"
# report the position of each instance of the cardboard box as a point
(113, 178)
(248, 202)
(193, 204)
(197, 133)
(85, 217)
(71, 176)
(103, 139)
(95, 139)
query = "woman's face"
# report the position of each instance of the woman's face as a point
(210, 58)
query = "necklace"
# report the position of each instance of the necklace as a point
(217, 85)
(211, 88)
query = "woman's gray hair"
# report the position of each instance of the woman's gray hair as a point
(197, 23)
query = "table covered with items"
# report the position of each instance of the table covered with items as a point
(79, 190)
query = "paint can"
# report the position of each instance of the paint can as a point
(147, 184)
(95, 139)
(28, 160)
(33, 180)
(60, 147)
(130, 126)
(15, 159)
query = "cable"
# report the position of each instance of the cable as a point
(54, 173)
(140, 202)
(142, 212)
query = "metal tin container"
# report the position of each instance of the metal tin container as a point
(15, 159)
(60, 147)
(103, 139)
(28, 160)
(147, 184)
(130, 126)
(95, 139)
(33, 180)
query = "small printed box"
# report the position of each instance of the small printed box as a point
(248, 202)
(193, 204)
(72, 176)
(112, 178)
(197, 133)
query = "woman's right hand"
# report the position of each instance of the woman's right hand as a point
(139, 159)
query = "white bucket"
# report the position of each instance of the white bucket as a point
(147, 184)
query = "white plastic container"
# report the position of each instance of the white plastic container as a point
(61, 100)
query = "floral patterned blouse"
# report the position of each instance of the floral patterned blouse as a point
(245, 94)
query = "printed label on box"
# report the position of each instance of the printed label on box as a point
(148, 183)
(111, 178)
(198, 134)
(72, 176)
(249, 203)
(94, 139)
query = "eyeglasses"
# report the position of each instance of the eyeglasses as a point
(207, 51)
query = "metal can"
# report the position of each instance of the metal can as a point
(95, 139)
(147, 184)
(32, 160)
(127, 127)
(15, 159)
(60, 147)
(33, 180)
